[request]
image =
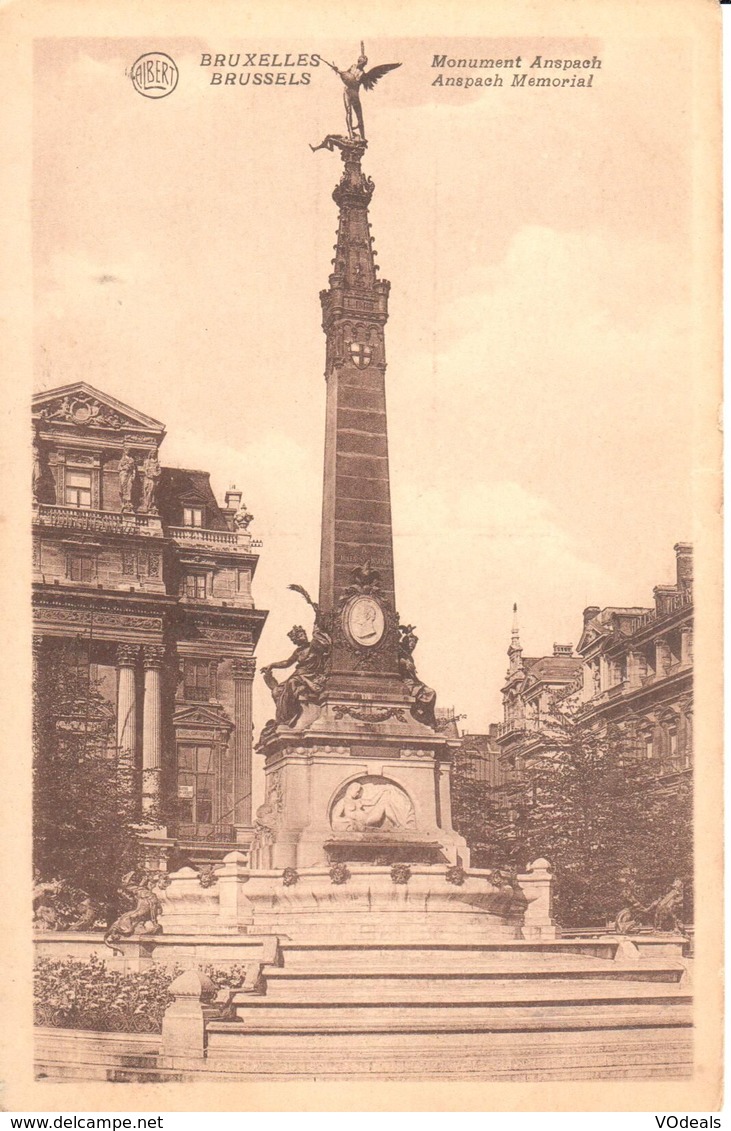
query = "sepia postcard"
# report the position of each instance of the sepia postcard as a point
(361, 504)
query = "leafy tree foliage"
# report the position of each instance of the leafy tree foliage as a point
(86, 810)
(596, 811)
(474, 812)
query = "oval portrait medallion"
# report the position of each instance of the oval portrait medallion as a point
(364, 621)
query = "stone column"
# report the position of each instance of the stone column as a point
(153, 655)
(686, 645)
(184, 1024)
(634, 669)
(126, 702)
(243, 671)
(233, 904)
(662, 658)
(537, 887)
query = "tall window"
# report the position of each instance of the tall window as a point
(78, 488)
(195, 586)
(673, 741)
(192, 516)
(196, 783)
(197, 680)
(80, 567)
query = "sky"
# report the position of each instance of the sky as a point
(539, 341)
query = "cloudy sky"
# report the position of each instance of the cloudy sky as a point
(538, 244)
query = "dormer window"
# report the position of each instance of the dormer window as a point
(192, 516)
(78, 488)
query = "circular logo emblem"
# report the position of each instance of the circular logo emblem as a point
(364, 621)
(154, 75)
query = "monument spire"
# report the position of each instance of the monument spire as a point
(357, 538)
(515, 651)
(356, 765)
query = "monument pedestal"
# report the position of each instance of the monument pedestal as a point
(357, 780)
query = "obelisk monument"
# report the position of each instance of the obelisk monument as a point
(356, 768)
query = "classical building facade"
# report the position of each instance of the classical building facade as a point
(637, 673)
(532, 684)
(632, 672)
(146, 581)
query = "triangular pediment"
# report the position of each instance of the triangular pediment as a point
(588, 636)
(194, 497)
(86, 407)
(201, 716)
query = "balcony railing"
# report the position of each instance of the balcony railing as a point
(667, 604)
(81, 518)
(518, 725)
(117, 522)
(197, 536)
(212, 833)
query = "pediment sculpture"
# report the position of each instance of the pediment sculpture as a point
(81, 408)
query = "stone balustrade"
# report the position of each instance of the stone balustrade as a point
(82, 518)
(216, 539)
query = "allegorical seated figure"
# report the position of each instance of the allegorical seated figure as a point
(425, 698)
(372, 805)
(306, 683)
(661, 914)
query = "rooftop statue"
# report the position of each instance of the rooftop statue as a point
(353, 79)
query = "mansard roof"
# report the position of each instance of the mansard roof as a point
(610, 621)
(552, 669)
(180, 486)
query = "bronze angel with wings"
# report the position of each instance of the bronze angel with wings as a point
(353, 79)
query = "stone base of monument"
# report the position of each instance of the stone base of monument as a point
(353, 901)
(400, 972)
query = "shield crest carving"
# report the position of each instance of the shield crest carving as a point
(361, 354)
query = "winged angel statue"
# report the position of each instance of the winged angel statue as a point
(353, 79)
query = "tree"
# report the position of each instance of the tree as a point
(87, 819)
(592, 808)
(477, 812)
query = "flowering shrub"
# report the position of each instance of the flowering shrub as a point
(86, 995)
(226, 978)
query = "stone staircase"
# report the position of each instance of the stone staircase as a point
(510, 1010)
(564, 1009)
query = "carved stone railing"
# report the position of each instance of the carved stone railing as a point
(667, 603)
(219, 834)
(196, 536)
(517, 725)
(116, 522)
(81, 518)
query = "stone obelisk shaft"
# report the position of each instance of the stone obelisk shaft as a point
(356, 522)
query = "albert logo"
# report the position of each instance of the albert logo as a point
(154, 75)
